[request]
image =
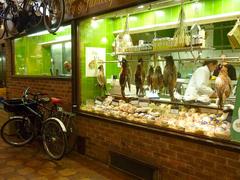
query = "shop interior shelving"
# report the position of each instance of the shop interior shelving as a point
(151, 52)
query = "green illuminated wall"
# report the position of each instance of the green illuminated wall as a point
(204, 8)
(33, 58)
(91, 36)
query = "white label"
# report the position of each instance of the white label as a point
(134, 102)
(236, 125)
(143, 104)
(115, 103)
(59, 108)
(174, 111)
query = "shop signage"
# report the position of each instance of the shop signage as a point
(236, 125)
(78, 8)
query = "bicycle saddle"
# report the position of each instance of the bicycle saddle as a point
(56, 101)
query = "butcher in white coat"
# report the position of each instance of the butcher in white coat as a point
(199, 83)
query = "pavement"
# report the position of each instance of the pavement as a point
(32, 163)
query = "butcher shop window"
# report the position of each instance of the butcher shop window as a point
(44, 54)
(135, 69)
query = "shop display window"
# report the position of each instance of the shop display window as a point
(44, 54)
(117, 49)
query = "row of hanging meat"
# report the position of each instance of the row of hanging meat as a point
(156, 78)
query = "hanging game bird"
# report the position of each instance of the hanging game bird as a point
(150, 77)
(223, 86)
(101, 78)
(124, 77)
(170, 76)
(158, 79)
(139, 78)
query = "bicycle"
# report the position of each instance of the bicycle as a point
(15, 18)
(32, 118)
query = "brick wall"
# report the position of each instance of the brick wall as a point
(176, 158)
(61, 88)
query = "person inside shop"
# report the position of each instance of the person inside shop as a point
(68, 66)
(231, 69)
(199, 84)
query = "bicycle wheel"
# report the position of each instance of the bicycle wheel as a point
(53, 14)
(35, 14)
(54, 139)
(17, 131)
(11, 18)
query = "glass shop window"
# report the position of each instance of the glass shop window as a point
(137, 68)
(44, 54)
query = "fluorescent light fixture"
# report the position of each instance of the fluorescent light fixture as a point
(38, 33)
(61, 29)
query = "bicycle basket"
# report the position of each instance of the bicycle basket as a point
(16, 105)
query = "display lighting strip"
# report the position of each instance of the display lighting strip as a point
(61, 29)
(189, 22)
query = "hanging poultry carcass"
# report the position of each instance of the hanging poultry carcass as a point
(125, 77)
(101, 79)
(140, 78)
(170, 76)
(158, 79)
(223, 86)
(150, 77)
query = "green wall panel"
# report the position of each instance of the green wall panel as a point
(31, 58)
(192, 10)
(92, 36)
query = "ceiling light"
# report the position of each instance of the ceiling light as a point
(61, 29)
(94, 24)
(197, 6)
(104, 40)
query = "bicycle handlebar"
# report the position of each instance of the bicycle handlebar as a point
(35, 95)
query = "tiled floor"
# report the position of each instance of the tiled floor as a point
(31, 163)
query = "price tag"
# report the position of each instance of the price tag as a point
(114, 103)
(134, 102)
(174, 109)
(143, 104)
